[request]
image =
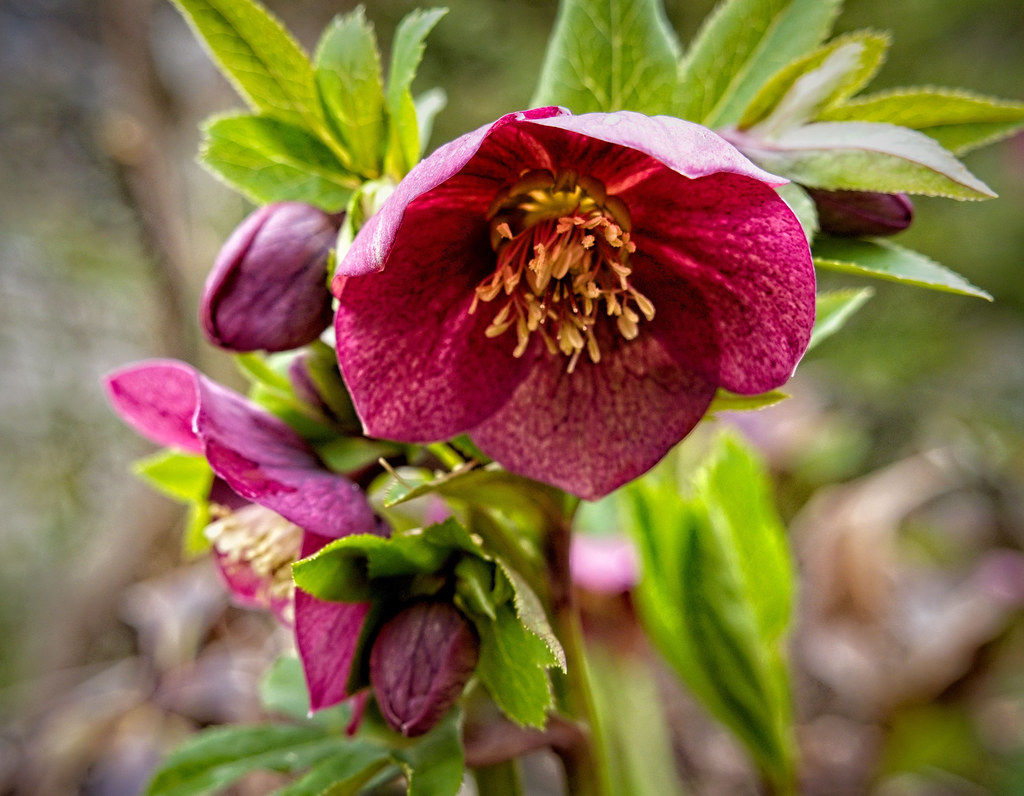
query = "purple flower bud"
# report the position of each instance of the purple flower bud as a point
(268, 287)
(858, 213)
(419, 663)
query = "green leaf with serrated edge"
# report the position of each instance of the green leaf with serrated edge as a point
(716, 595)
(344, 773)
(217, 757)
(403, 140)
(803, 207)
(885, 260)
(435, 764)
(819, 79)
(834, 309)
(269, 160)
(265, 64)
(531, 613)
(513, 667)
(959, 120)
(351, 88)
(863, 156)
(739, 47)
(725, 401)
(610, 55)
(185, 477)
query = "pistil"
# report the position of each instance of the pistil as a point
(563, 248)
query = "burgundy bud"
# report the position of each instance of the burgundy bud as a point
(419, 663)
(858, 213)
(268, 287)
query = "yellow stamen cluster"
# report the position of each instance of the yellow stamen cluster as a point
(563, 249)
(262, 541)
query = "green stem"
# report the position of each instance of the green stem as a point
(500, 779)
(586, 770)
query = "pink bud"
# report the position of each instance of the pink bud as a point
(419, 663)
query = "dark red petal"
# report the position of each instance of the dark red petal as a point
(158, 398)
(601, 426)
(264, 460)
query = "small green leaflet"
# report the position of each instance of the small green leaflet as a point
(834, 309)
(269, 160)
(186, 478)
(610, 55)
(725, 401)
(864, 156)
(434, 765)
(738, 49)
(959, 120)
(885, 260)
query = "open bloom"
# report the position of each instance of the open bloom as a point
(571, 291)
(297, 505)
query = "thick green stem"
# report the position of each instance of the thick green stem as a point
(586, 770)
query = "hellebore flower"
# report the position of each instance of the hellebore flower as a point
(268, 287)
(861, 213)
(264, 461)
(419, 663)
(571, 291)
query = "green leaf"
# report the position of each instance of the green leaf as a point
(834, 309)
(739, 47)
(265, 64)
(797, 93)
(717, 594)
(864, 156)
(403, 145)
(726, 401)
(884, 260)
(610, 55)
(530, 612)
(269, 160)
(434, 765)
(185, 477)
(959, 120)
(428, 105)
(343, 774)
(283, 689)
(513, 666)
(193, 540)
(258, 370)
(350, 86)
(215, 758)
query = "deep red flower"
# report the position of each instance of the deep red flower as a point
(571, 291)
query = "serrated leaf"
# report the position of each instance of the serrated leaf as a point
(403, 143)
(351, 89)
(717, 594)
(739, 47)
(959, 120)
(610, 55)
(343, 774)
(260, 58)
(435, 764)
(885, 260)
(269, 160)
(864, 156)
(834, 309)
(531, 613)
(796, 93)
(513, 666)
(215, 758)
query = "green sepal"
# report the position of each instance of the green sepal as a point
(269, 160)
(609, 55)
(725, 401)
(959, 120)
(798, 92)
(834, 309)
(738, 49)
(351, 89)
(882, 259)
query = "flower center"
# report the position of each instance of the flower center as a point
(562, 245)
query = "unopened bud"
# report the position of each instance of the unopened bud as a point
(862, 213)
(268, 287)
(419, 663)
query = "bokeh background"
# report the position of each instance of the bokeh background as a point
(898, 458)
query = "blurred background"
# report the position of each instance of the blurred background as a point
(898, 458)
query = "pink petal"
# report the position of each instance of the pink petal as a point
(601, 426)
(738, 243)
(603, 564)
(158, 399)
(264, 460)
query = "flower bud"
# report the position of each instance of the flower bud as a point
(419, 663)
(860, 213)
(268, 287)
